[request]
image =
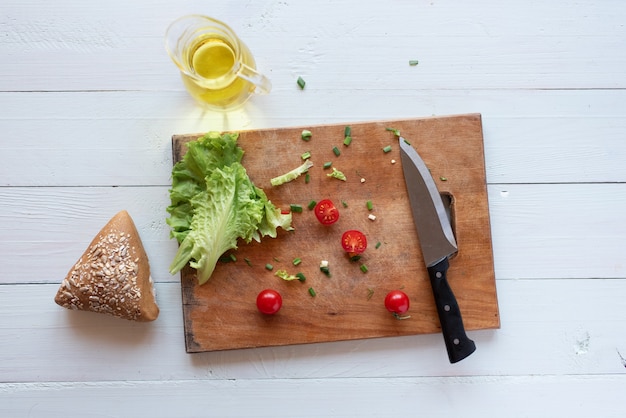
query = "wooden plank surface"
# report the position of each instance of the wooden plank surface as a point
(222, 314)
(440, 396)
(90, 101)
(129, 133)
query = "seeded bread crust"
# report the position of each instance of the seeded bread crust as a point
(112, 276)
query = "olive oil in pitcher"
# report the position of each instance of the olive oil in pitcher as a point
(217, 69)
(211, 60)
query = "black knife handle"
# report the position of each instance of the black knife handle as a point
(458, 344)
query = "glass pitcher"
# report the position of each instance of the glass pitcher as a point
(217, 68)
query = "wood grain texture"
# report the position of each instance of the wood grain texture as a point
(124, 138)
(56, 223)
(222, 315)
(90, 101)
(520, 47)
(566, 334)
(313, 398)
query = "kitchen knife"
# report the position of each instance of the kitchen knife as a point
(438, 244)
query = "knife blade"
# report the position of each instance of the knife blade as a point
(438, 244)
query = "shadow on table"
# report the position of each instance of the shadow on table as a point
(106, 330)
(398, 356)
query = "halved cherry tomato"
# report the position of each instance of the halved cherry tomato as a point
(397, 302)
(326, 212)
(269, 301)
(353, 242)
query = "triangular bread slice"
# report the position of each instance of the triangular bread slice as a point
(113, 275)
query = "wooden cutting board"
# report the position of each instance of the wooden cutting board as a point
(222, 314)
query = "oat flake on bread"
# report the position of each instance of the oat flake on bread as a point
(112, 276)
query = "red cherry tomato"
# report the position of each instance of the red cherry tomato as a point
(353, 242)
(397, 302)
(269, 301)
(326, 212)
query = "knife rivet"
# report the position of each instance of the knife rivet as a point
(438, 275)
(456, 341)
(446, 308)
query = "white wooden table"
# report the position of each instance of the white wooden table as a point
(89, 101)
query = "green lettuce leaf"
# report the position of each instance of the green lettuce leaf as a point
(272, 219)
(214, 204)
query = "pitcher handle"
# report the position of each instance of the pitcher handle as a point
(262, 83)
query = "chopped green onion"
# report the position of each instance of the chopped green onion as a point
(312, 292)
(306, 134)
(327, 164)
(247, 260)
(307, 178)
(347, 135)
(233, 257)
(306, 155)
(324, 267)
(370, 293)
(364, 268)
(269, 267)
(301, 277)
(396, 132)
(406, 142)
(295, 208)
(337, 174)
(442, 178)
(369, 205)
(378, 244)
(387, 149)
(413, 62)
(296, 261)
(301, 83)
(312, 204)
(336, 151)
(286, 276)
(344, 203)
